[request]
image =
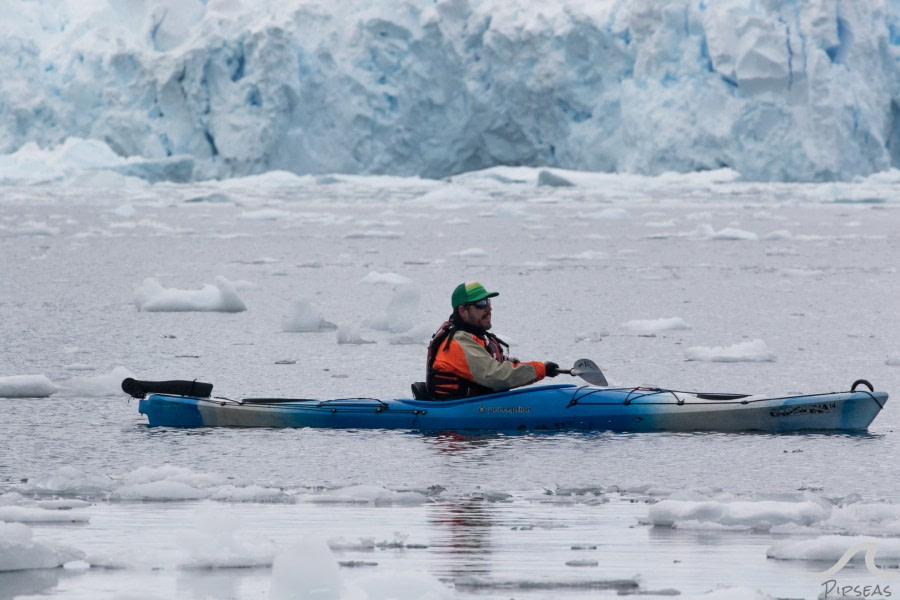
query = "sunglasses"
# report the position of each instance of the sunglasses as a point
(481, 304)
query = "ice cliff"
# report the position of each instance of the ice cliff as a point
(797, 90)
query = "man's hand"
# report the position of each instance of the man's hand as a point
(551, 368)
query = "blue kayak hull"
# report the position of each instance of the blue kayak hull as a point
(536, 408)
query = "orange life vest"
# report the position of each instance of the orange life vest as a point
(446, 385)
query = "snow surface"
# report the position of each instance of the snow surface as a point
(176, 91)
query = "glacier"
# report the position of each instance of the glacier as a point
(776, 90)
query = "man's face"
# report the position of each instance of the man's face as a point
(475, 316)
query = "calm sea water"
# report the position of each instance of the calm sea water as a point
(568, 511)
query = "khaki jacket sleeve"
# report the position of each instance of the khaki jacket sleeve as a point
(487, 371)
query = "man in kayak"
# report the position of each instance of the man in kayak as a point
(464, 359)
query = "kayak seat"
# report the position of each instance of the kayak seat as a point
(420, 390)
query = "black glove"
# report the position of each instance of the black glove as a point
(552, 369)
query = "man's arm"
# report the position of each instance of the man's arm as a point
(487, 371)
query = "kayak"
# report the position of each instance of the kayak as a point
(534, 408)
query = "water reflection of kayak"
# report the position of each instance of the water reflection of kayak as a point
(534, 408)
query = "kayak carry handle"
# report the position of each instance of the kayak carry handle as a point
(861, 382)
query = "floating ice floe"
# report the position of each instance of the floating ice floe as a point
(739, 514)
(450, 196)
(781, 251)
(251, 493)
(384, 234)
(508, 210)
(61, 504)
(29, 228)
(310, 565)
(124, 210)
(157, 226)
(25, 514)
(470, 253)
(172, 483)
(750, 351)
(586, 255)
(159, 483)
(802, 272)
(26, 386)
(592, 336)
(614, 214)
(18, 551)
(706, 232)
(805, 515)
(374, 277)
(625, 586)
(831, 548)
(367, 494)
(160, 491)
(656, 325)
(780, 234)
(305, 317)
(265, 214)
(221, 297)
(69, 481)
(368, 543)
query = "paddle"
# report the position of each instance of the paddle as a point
(587, 370)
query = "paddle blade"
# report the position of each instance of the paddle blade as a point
(589, 371)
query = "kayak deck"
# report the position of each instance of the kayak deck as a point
(535, 408)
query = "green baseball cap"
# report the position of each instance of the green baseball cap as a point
(470, 292)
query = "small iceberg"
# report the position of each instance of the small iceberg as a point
(221, 297)
(749, 351)
(26, 386)
(304, 317)
(18, 551)
(656, 325)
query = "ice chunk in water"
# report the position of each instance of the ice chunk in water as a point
(305, 317)
(749, 351)
(221, 297)
(26, 386)
(19, 551)
(306, 571)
